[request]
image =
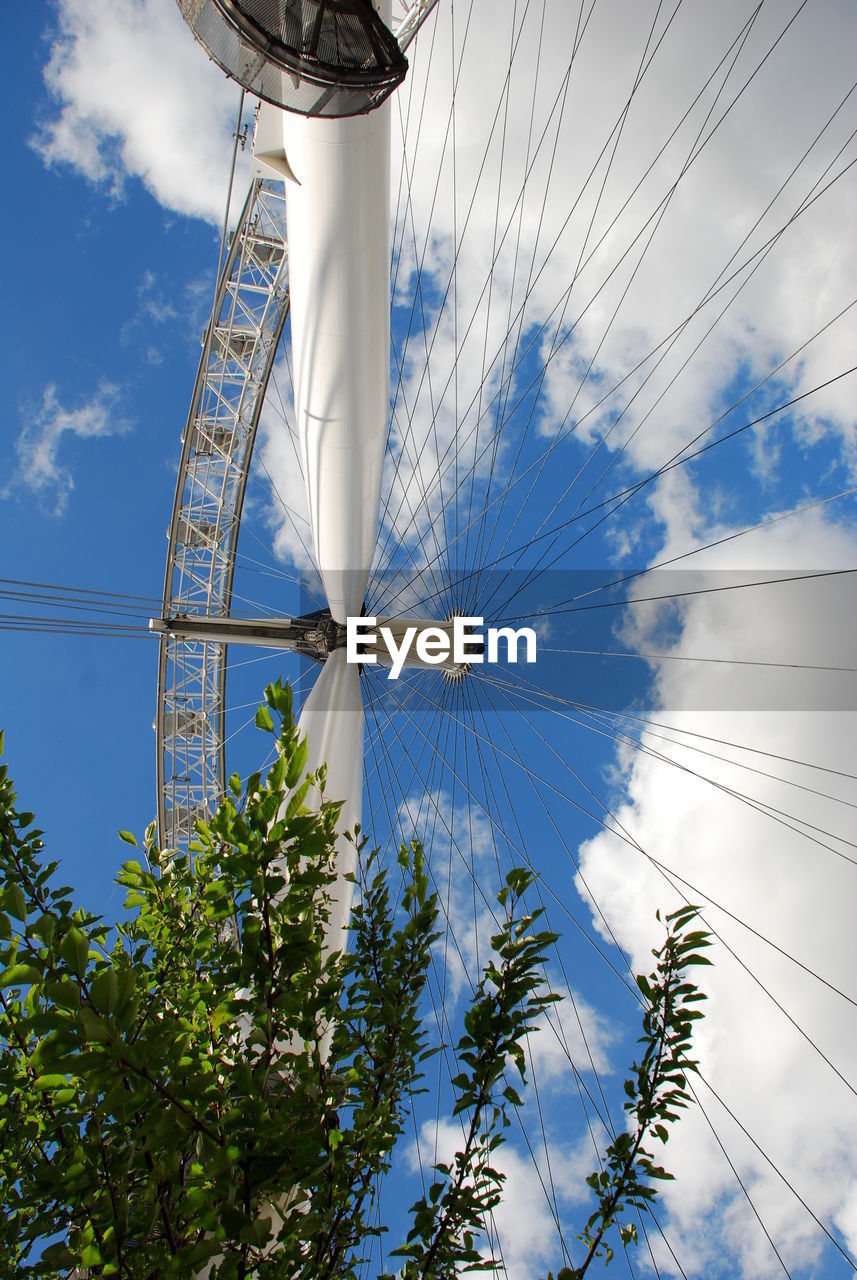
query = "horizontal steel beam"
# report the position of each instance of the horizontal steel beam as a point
(315, 635)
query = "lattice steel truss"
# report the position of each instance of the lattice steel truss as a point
(407, 24)
(238, 354)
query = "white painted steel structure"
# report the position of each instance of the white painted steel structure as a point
(408, 24)
(338, 210)
(330, 180)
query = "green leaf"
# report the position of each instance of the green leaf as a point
(104, 990)
(334, 1138)
(74, 949)
(277, 774)
(95, 1028)
(128, 837)
(45, 927)
(297, 764)
(66, 993)
(263, 719)
(16, 903)
(43, 1083)
(279, 696)
(20, 975)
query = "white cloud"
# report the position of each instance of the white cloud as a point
(797, 893)
(847, 1221)
(794, 891)
(165, 310)
(461, 848)
(136, 98)
(40, 468)
(522, 1228)
(758, 869)
(526, 246)
(288, 514)
(571, 1031)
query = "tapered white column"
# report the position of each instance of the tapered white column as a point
(338, 222)
(332, 719)
(337, 177)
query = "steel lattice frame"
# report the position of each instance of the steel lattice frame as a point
(407, 25)
(238, 354)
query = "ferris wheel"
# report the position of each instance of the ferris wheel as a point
(533, 406)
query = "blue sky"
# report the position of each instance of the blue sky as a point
(118, 142)
(105, 329)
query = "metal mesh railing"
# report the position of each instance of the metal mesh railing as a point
(315, 57)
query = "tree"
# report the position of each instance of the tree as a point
(208, 1090)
